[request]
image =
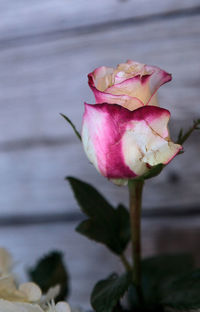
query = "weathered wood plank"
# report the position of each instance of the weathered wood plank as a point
(84, 258)
(33, 180)
(22, 18)
(40, 81)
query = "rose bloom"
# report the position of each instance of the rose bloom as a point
(26, 297)
(125, 133)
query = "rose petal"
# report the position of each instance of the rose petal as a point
(144, 147)
(162, 153)
(123, 144)
(131, 80)
(131, 103)
(101, 78)
(158, 78)
(100, 134)
(133, 87)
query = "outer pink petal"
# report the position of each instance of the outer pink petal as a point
(100, 136)
(120, 142)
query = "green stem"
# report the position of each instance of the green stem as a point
(182, 138)
(135, 196)
(126, 263)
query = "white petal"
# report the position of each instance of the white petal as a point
(103, 77)
(7, 306)
(51, 294)
(142, 145)
(5, 261)
(63, 307)
(8, 290)
(134, 147)
(7, 282)
(31, 291)
(163, 154)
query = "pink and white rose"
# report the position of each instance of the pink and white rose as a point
(126, 133)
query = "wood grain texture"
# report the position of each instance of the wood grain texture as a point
(38, 149)
(88, 261)
(22, 18)
(33, 181)
(40, 81)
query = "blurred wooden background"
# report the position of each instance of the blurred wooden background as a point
(46, 50)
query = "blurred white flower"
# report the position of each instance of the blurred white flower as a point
(6, 262)
(26, 292)
(59, 307)
(51, 294)
(8, 306)
(26, 297)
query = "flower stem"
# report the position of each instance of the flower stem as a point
(125, 263)
(135, 197)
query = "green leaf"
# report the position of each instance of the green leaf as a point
(108, 292)
(105, 224)
(73, 126)
(50, 271)
(184, 292)
(157, 274)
